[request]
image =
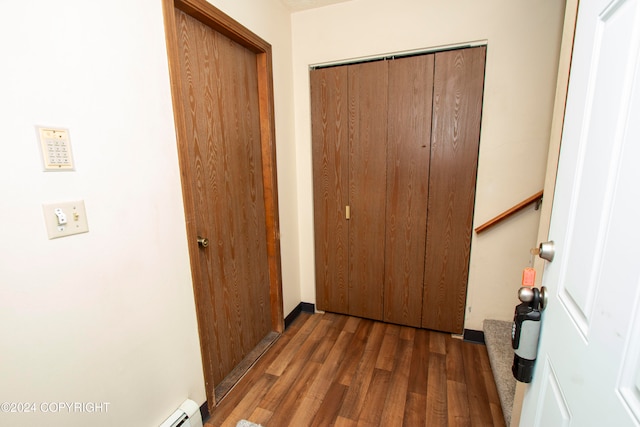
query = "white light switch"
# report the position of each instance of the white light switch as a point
(65, 218)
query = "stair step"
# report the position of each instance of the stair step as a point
(497, 337)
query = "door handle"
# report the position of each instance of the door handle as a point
(527, 294)
(203, 242)
(546, 250)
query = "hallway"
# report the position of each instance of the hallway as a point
(330, 369)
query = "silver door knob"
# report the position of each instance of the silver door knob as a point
(527, 294)
(546, 250)
(203, 242)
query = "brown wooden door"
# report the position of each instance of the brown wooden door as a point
(414, 128)
(408, 152)
(457, 107)
(219, 86)
(330, 130)
(367, 187)
(349, 151)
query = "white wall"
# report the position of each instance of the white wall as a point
(108, 316)
(523, 44)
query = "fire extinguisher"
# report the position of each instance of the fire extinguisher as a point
(526, 331)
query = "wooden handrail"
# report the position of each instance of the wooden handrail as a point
(523, 204)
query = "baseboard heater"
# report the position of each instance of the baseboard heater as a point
(187, 415)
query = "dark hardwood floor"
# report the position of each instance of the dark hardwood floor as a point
(334, 370)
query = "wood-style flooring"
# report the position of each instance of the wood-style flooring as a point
(334, 370)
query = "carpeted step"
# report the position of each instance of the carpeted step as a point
(497, 337)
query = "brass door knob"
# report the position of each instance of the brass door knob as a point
(203, 242)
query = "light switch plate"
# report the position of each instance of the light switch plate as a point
(65, 219)
(56, 149)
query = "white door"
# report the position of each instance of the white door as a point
(588, 367)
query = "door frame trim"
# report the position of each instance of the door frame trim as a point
(220, 22)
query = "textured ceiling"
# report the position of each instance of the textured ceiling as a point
(295, 5)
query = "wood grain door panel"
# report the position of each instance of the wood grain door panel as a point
(367, 187)
(409, 179)
(408, 153)
(221, 106)
(330, 133)
(457, 107)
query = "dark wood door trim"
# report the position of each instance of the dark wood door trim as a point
(217, 20)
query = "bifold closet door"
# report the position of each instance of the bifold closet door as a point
(349, 110)
(367, 187)
(330, 134)
(397, 143)
(408, 152)
(455, 136)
